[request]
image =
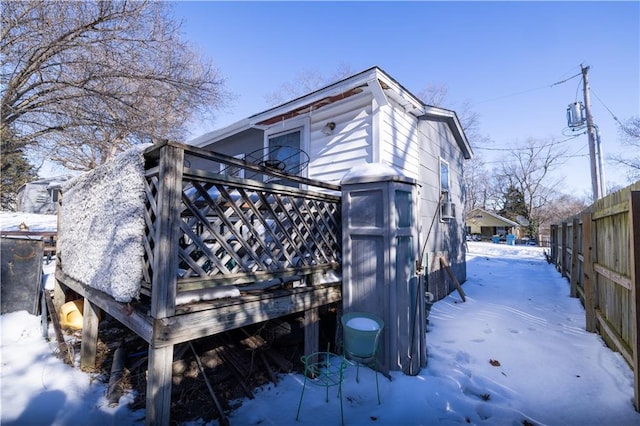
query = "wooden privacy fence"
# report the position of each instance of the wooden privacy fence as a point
(599, 253)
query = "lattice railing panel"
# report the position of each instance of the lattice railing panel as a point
(231, 232)
(151, 191)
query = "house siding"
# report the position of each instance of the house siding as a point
(399, 140)
(447, 237)
(350, 144)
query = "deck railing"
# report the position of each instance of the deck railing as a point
(207, 230)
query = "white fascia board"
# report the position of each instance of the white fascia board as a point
(334, 89)
(219, 134)
(377, 92)
(451, 118)
(401, 95)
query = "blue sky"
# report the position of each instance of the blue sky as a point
(501, 57)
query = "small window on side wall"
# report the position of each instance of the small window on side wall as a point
(54, 194)
(444, 176)
(447, 208)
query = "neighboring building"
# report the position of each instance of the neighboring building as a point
(487, 224)
(367, 118)
(41, 196)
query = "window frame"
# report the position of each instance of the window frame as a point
(445, 163)
(290, 126)
(445, 193)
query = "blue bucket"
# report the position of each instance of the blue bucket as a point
(361, 334)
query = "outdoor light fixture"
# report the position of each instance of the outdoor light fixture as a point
(328, 128)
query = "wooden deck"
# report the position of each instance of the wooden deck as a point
(199, 319)
(277, 244)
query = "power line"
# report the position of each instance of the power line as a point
(566, 157)
(575, 154)
(552, 143)
(565, 80)
(606, 107)
(529, 90)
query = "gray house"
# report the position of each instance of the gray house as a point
(368, 118)
(41, 196)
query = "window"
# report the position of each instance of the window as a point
(444, 176)
(55, 194)
(285, 147)
(284, 151)
(447, 208)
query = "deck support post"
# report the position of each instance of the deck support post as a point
(89, 346)
(158, 402)
(311, 331)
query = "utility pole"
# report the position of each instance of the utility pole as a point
(596, 166)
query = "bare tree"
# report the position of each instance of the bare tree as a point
(477, 183)
(528, 168)
(630, 132)
(82, 81)
(305, 81)
(562, 208)
(436, 95)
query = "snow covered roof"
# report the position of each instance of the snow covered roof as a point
(50, 182)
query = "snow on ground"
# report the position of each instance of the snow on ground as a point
(10, 221)
(546, 369)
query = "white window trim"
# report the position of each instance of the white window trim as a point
(448, 189)
(290, 126)
(444, 194)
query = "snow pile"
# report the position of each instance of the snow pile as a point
(102, 226)
(39, 389)
(10, 221)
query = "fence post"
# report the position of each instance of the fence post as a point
(634, 234)
(590, 294)
(554, 245)
(563, 254)
(573, 292)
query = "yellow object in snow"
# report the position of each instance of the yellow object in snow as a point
(71, 314)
